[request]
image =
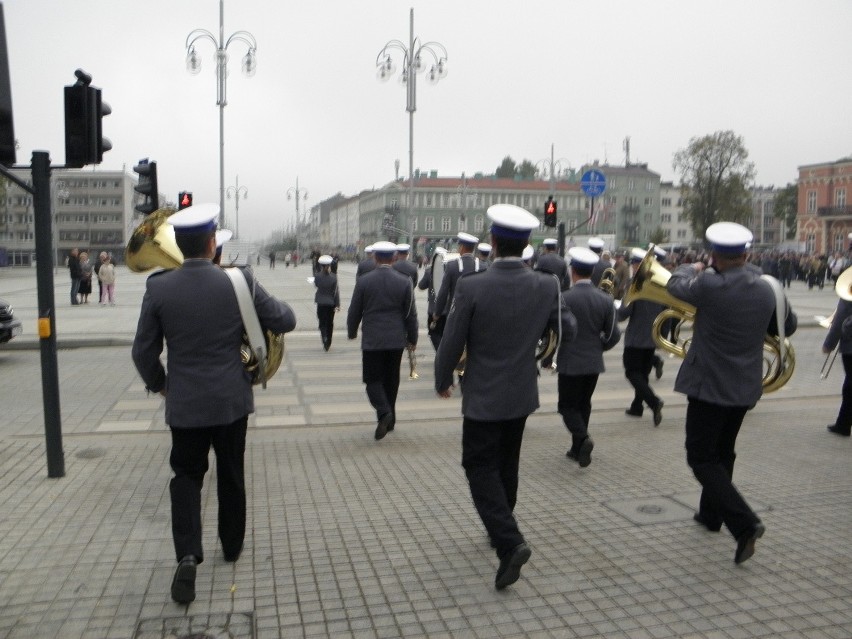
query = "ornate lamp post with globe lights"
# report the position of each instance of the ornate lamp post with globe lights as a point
(249, 66)
(412, 64)
(236, 191)
(299, 195)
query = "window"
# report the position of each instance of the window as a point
(428, 199)
(810, 240)
(648, 201)
(648, 218)
(840, 198)
(446, 224)
(414, 224)
(811, 207)
(681, 217)
(630, 184)
(462, 224)
(768, 220)
(666, 218)
(839, 242)
(681, 234)
(572, 224)
(666, 201)
(478, 224)
(429, 224)
(612, 183)
(649, 185)
(526, 201)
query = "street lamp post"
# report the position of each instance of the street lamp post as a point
(249, 66)
(235, 191)
(463, 195)
(412, 63)
(299, 195)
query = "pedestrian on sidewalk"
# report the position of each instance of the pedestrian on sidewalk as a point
(86, 270)
(207, 389)
(722, 374)
(106, 276)
(101, 258)
(383, 305)
(498, 316)
(74, 272)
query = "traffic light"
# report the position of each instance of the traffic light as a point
(550, 212)
(184, 200)
(84, 109)
(147, 187)
(7, 129)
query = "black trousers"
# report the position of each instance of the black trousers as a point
(436, 332)
(190, 450)
(380, 372)
(844, 416)
(638, 363)
(325, 315)
(491, 453)
(575, 402)
(711, 436)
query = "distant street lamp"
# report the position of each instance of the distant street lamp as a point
(412, 63)
(294, 192)
(463, 195)
(551, 169)
(249, 66)
(235, 191)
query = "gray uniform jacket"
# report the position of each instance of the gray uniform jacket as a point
(383, 304)
(734, 312)
(406, 268)
(194, 309)
(499, 316)
(425, 284)
(453, 270)
(642, 314)
(553, 263)
(328, 293)
(836, 333)
(598, 270)
(597, 330)
(365, 266)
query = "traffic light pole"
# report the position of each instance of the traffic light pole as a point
(40, 191)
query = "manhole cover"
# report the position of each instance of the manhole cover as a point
(90, 453)
(233, 625)
(651, 509)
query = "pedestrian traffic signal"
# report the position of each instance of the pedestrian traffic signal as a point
(184, 200)
(550, 212)
(84, 110)
(147, 187)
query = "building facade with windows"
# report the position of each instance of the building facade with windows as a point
(675, 225)
(93, 211)
(824, 211)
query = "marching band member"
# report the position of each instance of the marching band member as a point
(722, 373)
(367, 264)
(596, 245)
(327, 298)
(403, 264)
(383, 304)
(425, 284)
(639, 349)
(499, 315)
(841, 337)
(483, 252)
(465, 265)
(580, 364)
(551, 262)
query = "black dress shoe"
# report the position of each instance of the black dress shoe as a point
(633, 413)
(746, 541)
(658, 413)
(704, 521)
(183, 583)
(832, 428)
(382, 426)
(584, 453)
(510, 565)
(392, 422)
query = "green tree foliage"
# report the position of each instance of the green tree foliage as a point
(659, 236)
(507, 168)
(786, 204)
(526, 170)
(715, 174)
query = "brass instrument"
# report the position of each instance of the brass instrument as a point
(649, 283)
(412, 365)
(607, 283)
(153, 245)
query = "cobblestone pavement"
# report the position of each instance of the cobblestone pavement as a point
(349, 537)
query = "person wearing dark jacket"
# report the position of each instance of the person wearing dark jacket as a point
(327, 298)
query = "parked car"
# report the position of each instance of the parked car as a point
(9, 326)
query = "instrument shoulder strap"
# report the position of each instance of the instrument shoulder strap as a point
(251, 323)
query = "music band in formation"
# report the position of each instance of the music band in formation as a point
(496, 323)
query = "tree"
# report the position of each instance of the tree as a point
(659, 236)
(715, 174)
(786, 205)
(507, 168)
(526, 170)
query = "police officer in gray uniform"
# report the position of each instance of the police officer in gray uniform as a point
(207, 389)
(722, 372)
(383, 304)
(639, 347)
(327, 298)
(403, 264)
(596, 245)
(367, 264)
(499, 315)
(483, 253)
(551, 262)
(580, 363)
(425, 284)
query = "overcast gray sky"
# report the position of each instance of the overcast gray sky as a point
(522, 75)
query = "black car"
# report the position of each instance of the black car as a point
(9, 326)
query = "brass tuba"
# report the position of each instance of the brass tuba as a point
(649, 283)
(153, 245)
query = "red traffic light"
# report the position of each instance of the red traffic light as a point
(550, 212)
(184, 200)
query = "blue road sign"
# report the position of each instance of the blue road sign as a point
(593, 183)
